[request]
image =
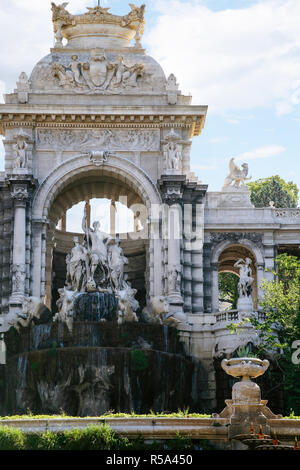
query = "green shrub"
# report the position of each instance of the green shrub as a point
(93, 438)
(11, 439)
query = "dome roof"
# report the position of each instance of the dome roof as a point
(98, 57)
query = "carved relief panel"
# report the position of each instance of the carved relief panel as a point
(99, 139)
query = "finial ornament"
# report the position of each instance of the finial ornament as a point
(133, 20)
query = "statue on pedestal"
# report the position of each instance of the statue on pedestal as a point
(236, 176)
(245, 285)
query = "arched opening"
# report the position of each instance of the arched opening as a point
(114, 204)
(79, 178)
(228, 290)
(228, 276)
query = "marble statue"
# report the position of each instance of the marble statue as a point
(236, 175)
(156, 310)
(97, 248)
(96, 265)
(116, 261)
(76, 274)
(174, 279)
(33, 309)
(65, 307)
(128, 305)
(172, 153)
(98, 74)
(20, 149)
(138, 226)
(245, 285)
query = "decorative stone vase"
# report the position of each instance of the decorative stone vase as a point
(245, 392)
(246, 406)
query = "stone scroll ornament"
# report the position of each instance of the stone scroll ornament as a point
(98, 74)
(95, 284)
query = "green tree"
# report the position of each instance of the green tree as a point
(228, 289)
(274, 189)
(281, 328)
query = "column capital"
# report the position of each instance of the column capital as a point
(20, 195)
(172, 188)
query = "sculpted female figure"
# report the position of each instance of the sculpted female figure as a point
(76, 266)
(117, 260)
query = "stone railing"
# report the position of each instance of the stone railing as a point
(287, 213)
(231, 315)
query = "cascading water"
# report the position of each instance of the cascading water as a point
(95, 307)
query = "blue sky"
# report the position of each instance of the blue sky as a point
(239, 57)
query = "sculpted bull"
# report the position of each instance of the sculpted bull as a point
(33, 311)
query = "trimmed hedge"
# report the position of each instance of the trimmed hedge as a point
(91, 438)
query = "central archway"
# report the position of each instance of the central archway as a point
(70, 183)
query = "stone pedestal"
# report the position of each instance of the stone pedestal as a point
(245, 306)
(246, 406)
(235, 197)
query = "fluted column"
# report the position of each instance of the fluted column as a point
(174, 254)
(20, 197)
(215, 287)
(172, 191)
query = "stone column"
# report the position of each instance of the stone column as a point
(174, 255)
(260, 270)
(37, 228)
(20, 197)
(62, 224)
(197, 261)
(113, 216)
(215, 287)
(187, 257)
(172, 192)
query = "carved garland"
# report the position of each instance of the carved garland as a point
(235, 237)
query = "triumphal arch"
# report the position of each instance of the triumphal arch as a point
(98, 118)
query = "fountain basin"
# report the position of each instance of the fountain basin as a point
(246, 367)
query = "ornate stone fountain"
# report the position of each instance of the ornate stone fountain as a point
(96, 289)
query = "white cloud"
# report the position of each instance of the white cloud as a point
(266, 151)
(231, 59)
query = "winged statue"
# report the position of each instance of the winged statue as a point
(237, 177)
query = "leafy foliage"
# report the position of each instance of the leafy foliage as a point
(281, 304)
(274, 189)
(228, 289)
(245, 351)
(92, 438)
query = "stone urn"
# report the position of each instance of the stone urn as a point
(246, 406)
(245, 391)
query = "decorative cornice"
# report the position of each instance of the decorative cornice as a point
(82, 121)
